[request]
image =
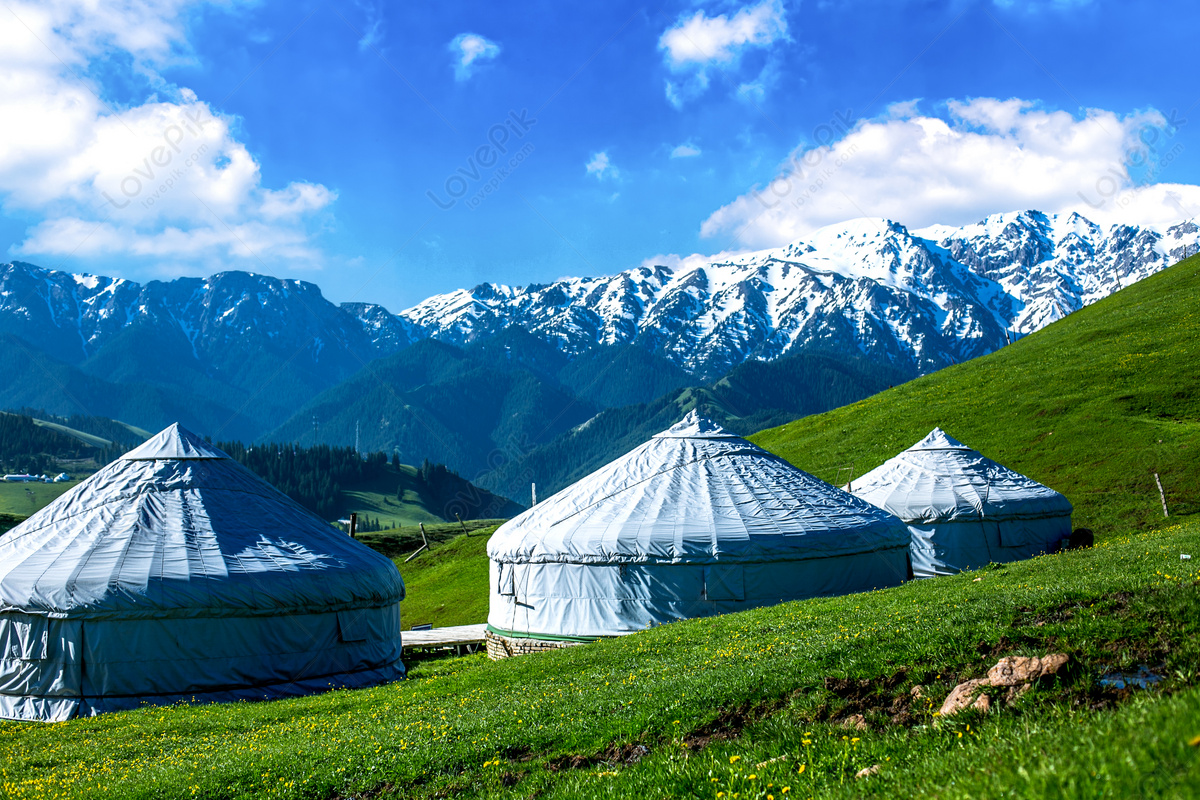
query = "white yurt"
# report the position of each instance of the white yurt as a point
(176, 574)
(695, 522)
(963, 509)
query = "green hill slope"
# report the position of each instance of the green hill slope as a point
(1092, 406)
(744, 704)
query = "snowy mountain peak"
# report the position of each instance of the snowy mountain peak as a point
(917, 299)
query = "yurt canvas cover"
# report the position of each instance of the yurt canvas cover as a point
(176, 574)
(694, 522)
(963, 509)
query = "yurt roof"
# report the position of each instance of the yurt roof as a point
(941, 479)
(695, 493)
(177, 528)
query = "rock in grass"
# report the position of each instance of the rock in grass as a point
(856, 721)
(867, 772)
(1015, 670)
(963, 696)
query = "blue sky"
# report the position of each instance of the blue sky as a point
(391, 151)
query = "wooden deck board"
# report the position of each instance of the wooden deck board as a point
(444, 637)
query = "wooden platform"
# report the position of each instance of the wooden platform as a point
(461, 638)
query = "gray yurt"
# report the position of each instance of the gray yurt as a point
(695, 522)
(963, 509)
(176, 574)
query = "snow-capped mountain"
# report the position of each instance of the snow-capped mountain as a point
(73, 317)
(918, 300)
(249, 348)
(257, 347)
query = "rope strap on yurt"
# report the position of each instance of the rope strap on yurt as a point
(541, 636)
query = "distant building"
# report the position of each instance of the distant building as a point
(61, 477)
(21, 478)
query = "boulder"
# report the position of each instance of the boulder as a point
(963, 696)
(1016, 670)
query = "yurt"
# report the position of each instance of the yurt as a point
(695, 522)
(176, 574)
(963, 509)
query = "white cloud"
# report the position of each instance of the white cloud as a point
(296, 200)
(601, 166)
(373, 35)
(699, 42)
(685, 150)
(985, 156)
(470, 50)
(128, 178)
(678, 263)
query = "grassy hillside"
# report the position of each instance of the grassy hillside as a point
(447, 585)
(745, 704)
(1092, 406)
(22, 499)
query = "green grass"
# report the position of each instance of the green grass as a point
(385, 507)
(16, 502)
(749, 686)
(380, 499)
(1092, 406)
(447, 585)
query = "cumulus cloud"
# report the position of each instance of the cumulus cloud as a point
(685, 150)
(984, 156)
(123, 179)
(470, 50)
(601, 166)
(698, 43)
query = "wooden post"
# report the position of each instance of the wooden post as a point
(460, 522)
(353, 525)
(423, 547)
(1161, 494)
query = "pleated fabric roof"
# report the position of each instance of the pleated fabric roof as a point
(696, 493)
(941, 479)
(178, 528)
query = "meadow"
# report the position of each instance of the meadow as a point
(749, 705)
(22, 499)
(763, 704)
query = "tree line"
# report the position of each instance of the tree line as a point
(312, 476)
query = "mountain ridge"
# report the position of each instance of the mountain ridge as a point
(253, 348)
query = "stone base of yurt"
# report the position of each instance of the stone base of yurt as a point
(499, 646)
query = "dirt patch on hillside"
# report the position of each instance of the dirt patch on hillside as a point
(613, 756)
(730, 723)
